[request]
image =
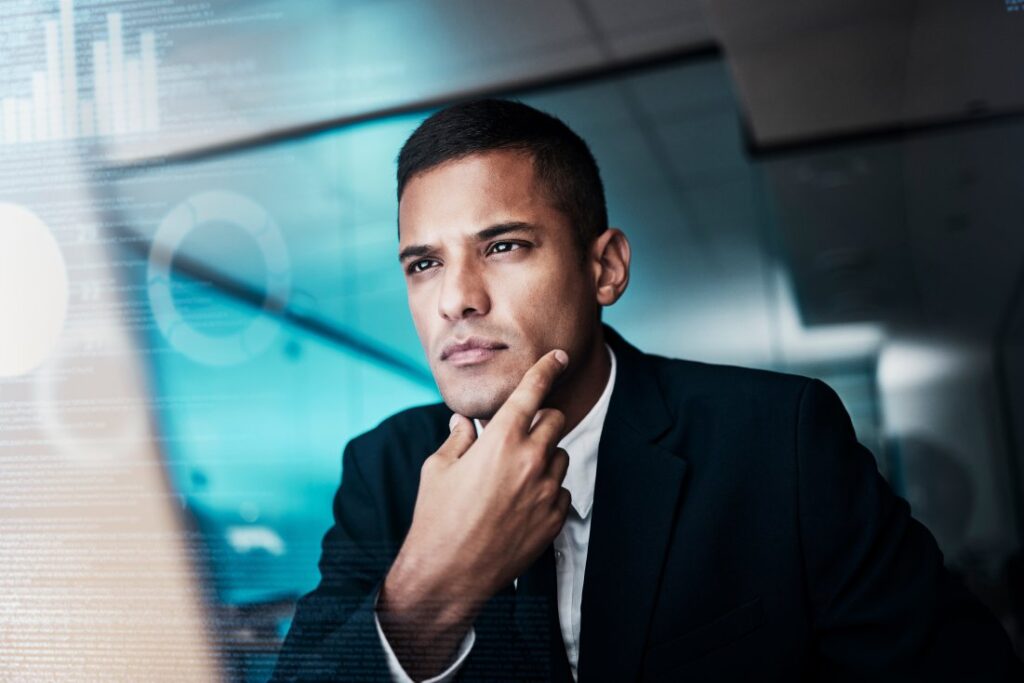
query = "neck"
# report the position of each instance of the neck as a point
(582, 384)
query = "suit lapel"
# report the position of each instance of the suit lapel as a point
(635, 500)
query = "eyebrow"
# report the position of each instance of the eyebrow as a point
(414, 250)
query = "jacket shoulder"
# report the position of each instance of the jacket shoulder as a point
(721, 379)
(687, 384)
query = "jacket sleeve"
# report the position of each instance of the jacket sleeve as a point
(884, 607)
(333, 635)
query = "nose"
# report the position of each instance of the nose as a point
(463, 292)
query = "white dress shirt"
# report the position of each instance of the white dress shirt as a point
(570, 543)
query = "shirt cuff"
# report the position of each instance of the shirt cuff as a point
(398, 674)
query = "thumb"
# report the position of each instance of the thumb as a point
(462, 436)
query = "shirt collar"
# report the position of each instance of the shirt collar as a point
(582, 444)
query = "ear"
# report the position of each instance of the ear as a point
(609, 259)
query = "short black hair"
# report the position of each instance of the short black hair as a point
(562, 161)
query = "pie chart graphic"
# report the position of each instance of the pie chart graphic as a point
(193, 214)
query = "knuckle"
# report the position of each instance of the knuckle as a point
(532, 463)
(557, 428)
(506, 442)
(428, 465)
(562, 460)
(558, 518)
(553, 416)
(550, 490)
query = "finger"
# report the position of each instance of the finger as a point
(462, 436)
(559, 465)
(563, 502)
(525, 400)
(548, 426)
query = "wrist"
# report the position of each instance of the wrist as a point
(415, 586)
(421, 618)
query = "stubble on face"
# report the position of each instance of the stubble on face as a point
(477, 395)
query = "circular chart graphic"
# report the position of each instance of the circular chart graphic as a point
(33, 291)
(90, 422)
(204, 209)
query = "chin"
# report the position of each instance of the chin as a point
(478, 408)
(479, 391)
(476, 402)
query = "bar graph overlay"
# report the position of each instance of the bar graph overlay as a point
(111, 92)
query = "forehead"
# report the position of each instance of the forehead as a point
(471, 192)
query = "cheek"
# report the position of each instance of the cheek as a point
(564, 292)
(550, 309)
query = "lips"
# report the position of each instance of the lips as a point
(472, 349)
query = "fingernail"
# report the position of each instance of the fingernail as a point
(451, 422)
(562, 357)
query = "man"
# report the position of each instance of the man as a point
(579, 510)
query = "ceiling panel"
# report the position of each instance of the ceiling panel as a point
(810, 70)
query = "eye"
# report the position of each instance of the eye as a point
(421, 265)
(503, 247)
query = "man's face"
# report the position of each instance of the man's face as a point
(494, 277)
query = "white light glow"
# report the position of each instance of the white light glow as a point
(246, 539)
(33, 291)
(909, 364)
(820, 343)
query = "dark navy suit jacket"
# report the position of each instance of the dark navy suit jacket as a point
(740, 532)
